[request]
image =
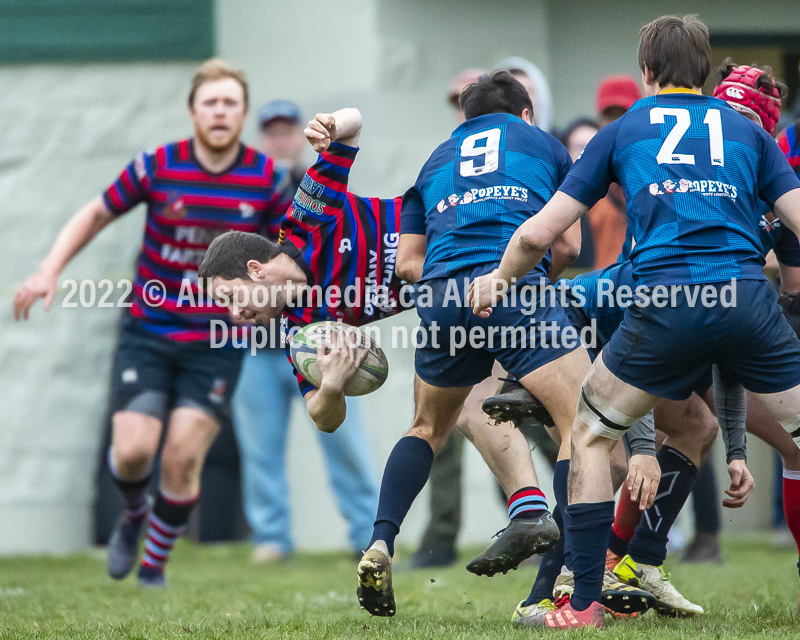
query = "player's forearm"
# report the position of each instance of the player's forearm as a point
(790, 279)
(565, 250)
(348, 126)
(532, 240)
(327, 408)
(76, 234)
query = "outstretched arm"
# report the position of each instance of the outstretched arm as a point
(76, 234)
(564, 251)
(343, 126)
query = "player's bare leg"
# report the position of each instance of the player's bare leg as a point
(598, 425)
(506, 452)
(189, 436)
(435, 412)
(134, 444)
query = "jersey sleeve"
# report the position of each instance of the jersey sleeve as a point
(131, 187)
(412, 215)
(775, 176)
(593, 172)
(323, 189)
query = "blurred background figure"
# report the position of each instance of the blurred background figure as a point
(457, 85)
(608, 219)
(575, 137)
(263, 401)
(534, 81)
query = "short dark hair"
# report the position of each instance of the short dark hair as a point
(497, 92)
(676, 50)
(227, 255)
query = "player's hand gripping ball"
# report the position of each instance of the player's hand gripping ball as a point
(371, 373)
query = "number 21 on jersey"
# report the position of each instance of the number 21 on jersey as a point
(666, 154)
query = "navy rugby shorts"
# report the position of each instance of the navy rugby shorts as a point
(457, 361)
(669, 351)
(153, 374)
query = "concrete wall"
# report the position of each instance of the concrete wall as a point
(68, 130)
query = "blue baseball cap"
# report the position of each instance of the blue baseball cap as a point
(279, 109)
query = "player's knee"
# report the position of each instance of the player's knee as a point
(133, 457)
(600, 417)
(436, 438)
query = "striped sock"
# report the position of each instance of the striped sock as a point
(528, 502)
(167, 523)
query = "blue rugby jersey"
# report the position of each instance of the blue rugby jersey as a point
(187, 207)
(694, 174)
(343, 243)
(478, 187)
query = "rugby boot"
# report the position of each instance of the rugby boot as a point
(375, 592)
(521, 539)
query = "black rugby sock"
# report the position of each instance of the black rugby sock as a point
(406, 472)
(678, 475)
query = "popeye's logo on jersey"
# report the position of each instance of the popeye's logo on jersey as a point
(712, 188)
(769, 222)
(481, 195)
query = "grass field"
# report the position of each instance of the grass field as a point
(216, 593)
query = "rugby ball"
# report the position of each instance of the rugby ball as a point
(370, 375)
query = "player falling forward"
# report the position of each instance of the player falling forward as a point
(704, 237)
(332, 237)
(165, 374)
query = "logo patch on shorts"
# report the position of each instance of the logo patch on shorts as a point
(130, 376)
(217, 394)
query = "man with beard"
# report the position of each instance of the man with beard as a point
(165, 374)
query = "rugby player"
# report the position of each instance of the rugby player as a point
(334, 238)
(703, 234)
(690, 432)
(165, 373)
(493, 173)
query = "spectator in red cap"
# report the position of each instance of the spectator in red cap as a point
(615, 95)
(608, 219)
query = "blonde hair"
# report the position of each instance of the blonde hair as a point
(216, 69)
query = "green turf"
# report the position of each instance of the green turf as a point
(214, 592)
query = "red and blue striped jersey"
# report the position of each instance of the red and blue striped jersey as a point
(790, 146)
(345, 244)
(187, 207)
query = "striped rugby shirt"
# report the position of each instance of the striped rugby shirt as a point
(343, 243)
(187, 207)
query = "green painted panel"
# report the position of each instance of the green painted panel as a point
(105, 30)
